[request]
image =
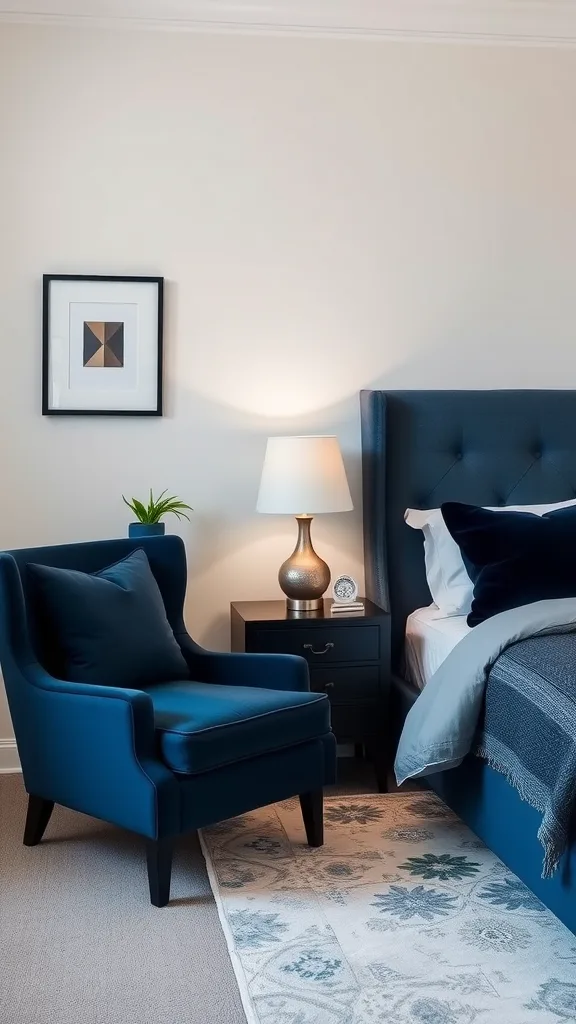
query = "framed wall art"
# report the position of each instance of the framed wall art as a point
(102, 345)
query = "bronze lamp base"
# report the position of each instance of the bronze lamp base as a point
(304, 577)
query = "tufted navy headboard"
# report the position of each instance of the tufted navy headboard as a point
(420, 448)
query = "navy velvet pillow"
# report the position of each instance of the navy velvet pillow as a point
(108, 627)
(514, 558)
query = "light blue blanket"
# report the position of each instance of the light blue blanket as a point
(440, 727)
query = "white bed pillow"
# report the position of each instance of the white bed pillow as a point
(451, 588)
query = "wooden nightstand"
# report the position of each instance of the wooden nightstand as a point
(349, 658)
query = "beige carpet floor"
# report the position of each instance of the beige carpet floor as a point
(79, 941)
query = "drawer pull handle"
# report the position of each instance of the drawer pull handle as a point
(310, 647)
(328, 686)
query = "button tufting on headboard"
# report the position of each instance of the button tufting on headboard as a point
(519, 447)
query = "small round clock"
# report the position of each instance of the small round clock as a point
(344, 590)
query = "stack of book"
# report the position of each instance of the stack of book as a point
(346, 609)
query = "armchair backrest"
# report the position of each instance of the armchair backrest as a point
(22, 626)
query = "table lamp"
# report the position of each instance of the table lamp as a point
(303, 476)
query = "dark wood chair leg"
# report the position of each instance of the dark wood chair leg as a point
(38, 816)
(159, 859)
(312, 805)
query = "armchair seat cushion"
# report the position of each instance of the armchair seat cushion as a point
(201, 726)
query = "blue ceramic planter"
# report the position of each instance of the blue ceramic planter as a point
(146, 529)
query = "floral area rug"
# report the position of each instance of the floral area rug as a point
(402, 917)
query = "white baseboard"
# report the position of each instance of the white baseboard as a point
(9, 760)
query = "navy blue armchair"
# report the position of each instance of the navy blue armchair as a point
(241, 732)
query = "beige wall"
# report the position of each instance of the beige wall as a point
(328, 216)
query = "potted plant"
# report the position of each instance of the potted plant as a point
(149, 516)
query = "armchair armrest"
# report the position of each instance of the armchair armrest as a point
(93, 748)
(268, 671)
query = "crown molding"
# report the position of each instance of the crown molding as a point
(507, 22)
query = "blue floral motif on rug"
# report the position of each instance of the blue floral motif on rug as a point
(402, 917)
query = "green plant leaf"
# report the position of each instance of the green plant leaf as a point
(174, 505)
(129, 503)
(141, 511)
(158, 507)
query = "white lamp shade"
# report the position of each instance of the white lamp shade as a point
(303, 475)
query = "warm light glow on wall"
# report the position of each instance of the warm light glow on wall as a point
(286, 378)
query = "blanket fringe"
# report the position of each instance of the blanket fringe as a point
(553, 849)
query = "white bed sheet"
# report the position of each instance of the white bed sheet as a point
(429, 639)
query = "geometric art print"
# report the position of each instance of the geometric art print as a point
(103, 344)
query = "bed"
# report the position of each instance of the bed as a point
(491, 448)
(429, 638)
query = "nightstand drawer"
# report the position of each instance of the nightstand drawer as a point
(322, 645)
(347, 685)
(348, 656)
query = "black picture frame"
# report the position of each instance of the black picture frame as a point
(47, 280)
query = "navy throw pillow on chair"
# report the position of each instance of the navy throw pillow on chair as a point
(108, 627)
(514, 558)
